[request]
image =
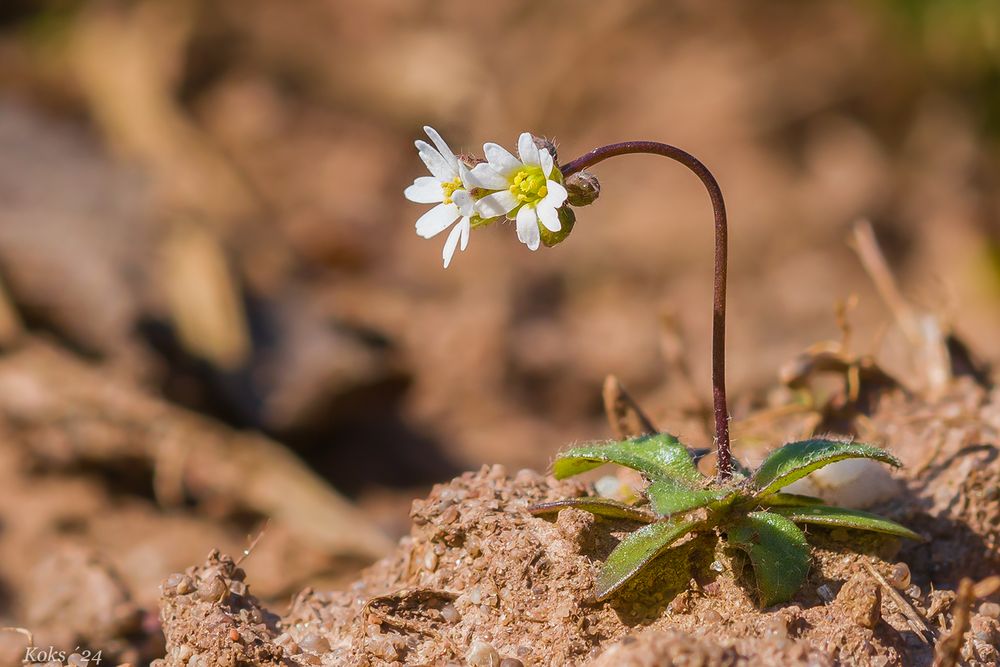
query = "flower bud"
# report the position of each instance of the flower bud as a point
(469, 160)
(548, 145)
(583, 188)
(567, 218)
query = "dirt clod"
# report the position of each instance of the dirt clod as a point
(862, 599)
(479, 580)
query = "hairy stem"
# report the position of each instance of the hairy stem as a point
(725, 464)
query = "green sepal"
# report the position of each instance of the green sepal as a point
(824, 515)
(601, 506)
(657, 456)
(778, 552)
(797, 459)
(635, 551)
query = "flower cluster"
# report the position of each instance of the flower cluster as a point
(469, 193)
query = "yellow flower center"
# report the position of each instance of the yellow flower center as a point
(528, 186)
(449, 187)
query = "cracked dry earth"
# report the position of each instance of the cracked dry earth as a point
(481, 582)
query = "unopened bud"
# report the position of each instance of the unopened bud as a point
(583, 188)
(548, 145)
(469, 160)
(567, 218)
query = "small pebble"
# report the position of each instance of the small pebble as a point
(234, 635)
(825, 592)
(185, 585)
(170, 583)
(711, 617)
(990, 609)
(450, 614)
(680, 604)
(482, 654)
(213, 589)
(778, 627)
(511, 662)
(716, 566)
(914, 592)
(449, 515)
(314, 643)
(900, 576)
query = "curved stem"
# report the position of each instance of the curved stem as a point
(725, 462)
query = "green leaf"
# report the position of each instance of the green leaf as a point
(600, 506)
(658, 456)
(778, 552)
(825, 515)
(670, 496)
(797, 459)
(635, 551)
(789, 500)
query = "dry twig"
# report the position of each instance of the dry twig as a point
(949, 648)
(913, 618)
(626, 418)
(922, 330)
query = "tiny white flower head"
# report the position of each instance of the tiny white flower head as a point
(446, 187)
(528, 190)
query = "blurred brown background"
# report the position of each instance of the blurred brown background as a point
(205, 199)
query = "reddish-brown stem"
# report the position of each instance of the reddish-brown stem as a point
(725, 463)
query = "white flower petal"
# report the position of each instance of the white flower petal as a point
(442, 147)
(466, 204)
(425, 190)
(485, 176)
(436, 164)
(547, 162)
(450, 244)
(549, 217)
(436, 220)
(466, 225)
(527, 228)
(498, 203)
(528, 151)
(557, 194)
(500, 159)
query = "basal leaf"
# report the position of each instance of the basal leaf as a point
(778, 552)
(600, 506)
(797, 459)
(670, 496)
(825, 515)
(658, 456)
(635, 551)
(789, 500)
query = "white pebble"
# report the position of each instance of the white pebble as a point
(482, 654)
(853, 483)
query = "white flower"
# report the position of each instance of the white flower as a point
(447, 188)
(527, 189)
